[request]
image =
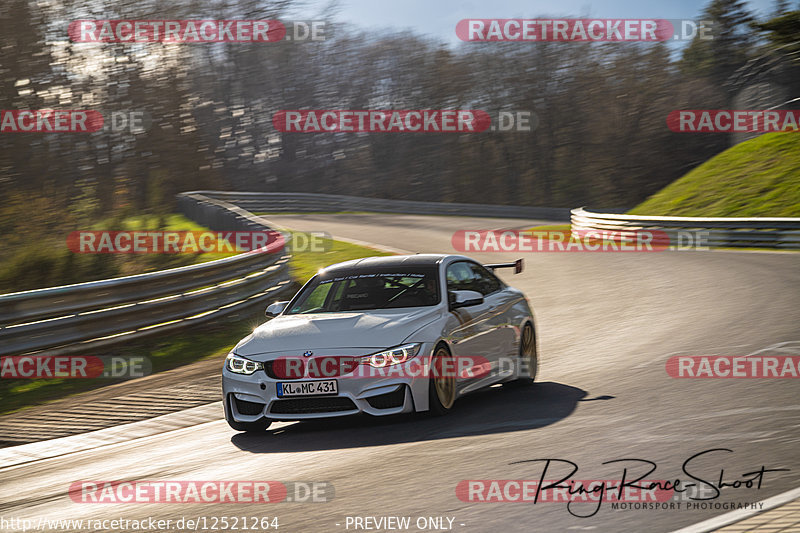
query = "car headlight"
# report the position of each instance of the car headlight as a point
(392, 356)
(239, 365)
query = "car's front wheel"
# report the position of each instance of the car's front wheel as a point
(250, 427)
(442, 384)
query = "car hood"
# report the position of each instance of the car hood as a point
(365, 329)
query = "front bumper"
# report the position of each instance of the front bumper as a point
(250, 398)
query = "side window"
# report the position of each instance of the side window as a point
(484, 281)
(334, 302)
(460, 277)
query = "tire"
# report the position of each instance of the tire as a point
(528, 357)
(441, 390)
(259, 426)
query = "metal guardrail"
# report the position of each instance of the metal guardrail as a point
(85, 316)
(755, 232)
(284, 202)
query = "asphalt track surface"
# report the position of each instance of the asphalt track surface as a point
(606, 324)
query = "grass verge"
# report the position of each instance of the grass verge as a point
(47, 262)
(756, 178)
(305, 264)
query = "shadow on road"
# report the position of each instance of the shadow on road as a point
(494, 410)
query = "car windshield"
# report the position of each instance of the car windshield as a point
(368, 290)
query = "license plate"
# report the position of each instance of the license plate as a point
(308, 388)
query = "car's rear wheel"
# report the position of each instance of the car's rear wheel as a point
(528, 358)
(442, 384)
(250, 427)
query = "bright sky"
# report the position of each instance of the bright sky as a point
(438, 18)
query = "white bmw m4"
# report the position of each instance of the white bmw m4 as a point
(382, 336)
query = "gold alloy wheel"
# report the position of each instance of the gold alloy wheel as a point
(528, 351)
(445, 385)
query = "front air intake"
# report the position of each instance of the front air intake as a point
(390, 400)
(248, 408)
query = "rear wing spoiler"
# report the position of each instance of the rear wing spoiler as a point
(516, 265)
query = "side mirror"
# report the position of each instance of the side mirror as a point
(460, 299)
(275, 309)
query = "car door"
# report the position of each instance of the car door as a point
(474, 329)
(499, 305)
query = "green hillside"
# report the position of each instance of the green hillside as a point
(759, 177)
